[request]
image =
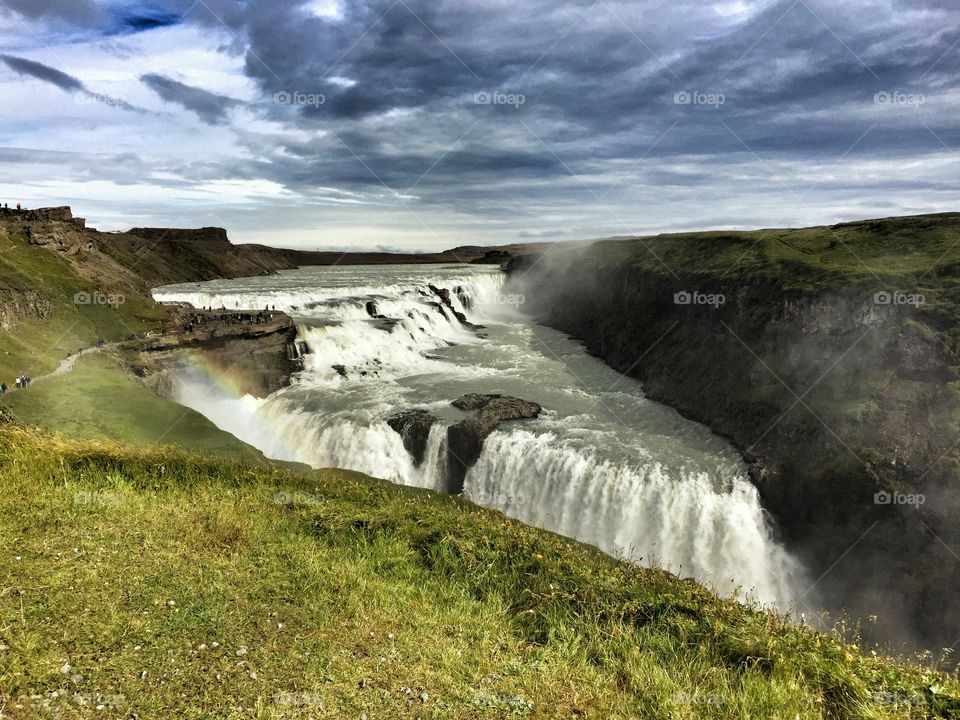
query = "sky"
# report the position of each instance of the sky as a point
(429, 124)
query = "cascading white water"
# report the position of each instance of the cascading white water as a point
(639, 512)
(602, 464)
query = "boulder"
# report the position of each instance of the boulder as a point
(374, 311)
(465, 438)
(413, 426)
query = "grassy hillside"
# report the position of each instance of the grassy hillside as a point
(99, 400)
(163, 584)
(47, 310)
(923, 247)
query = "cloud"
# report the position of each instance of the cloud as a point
(209, 107)
(73, 12)
(141, 19)
(64, 81)
(576, 118)
(39, 71)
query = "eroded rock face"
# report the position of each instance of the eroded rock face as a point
(444, 295)
(19, 305)
(465, 438)
(260, 354)
(414, 427)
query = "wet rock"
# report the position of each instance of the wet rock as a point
(465, 439)
(413, 426)
(444, 295)
(341, 370)
(464, 297)
(374, 311)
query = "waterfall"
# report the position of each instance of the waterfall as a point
(713, 529)
(645, 484)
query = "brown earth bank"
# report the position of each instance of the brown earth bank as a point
(830, 357)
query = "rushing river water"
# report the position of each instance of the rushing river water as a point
(602, 464)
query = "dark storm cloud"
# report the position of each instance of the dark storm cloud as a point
(147, 19)
(68, 83)
(208, 106)
(598, 81)
(73, 12)
(39, 71)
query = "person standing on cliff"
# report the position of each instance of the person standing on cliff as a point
(18, 206)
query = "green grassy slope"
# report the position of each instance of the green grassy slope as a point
(919, 246)
(175, 585)
(98, 400)
(36, 345)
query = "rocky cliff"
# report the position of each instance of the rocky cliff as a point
(256, 353)
(830, 357)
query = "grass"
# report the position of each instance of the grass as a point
(924, 247)
(165, 584)
(99, 400)
(35, 345)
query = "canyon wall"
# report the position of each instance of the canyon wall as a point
(838, 385)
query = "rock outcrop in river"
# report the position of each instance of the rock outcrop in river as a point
(414, 427)
(464, 438)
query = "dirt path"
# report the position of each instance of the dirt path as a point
(66, 365)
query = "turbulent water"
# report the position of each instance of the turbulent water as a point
(602, 464)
